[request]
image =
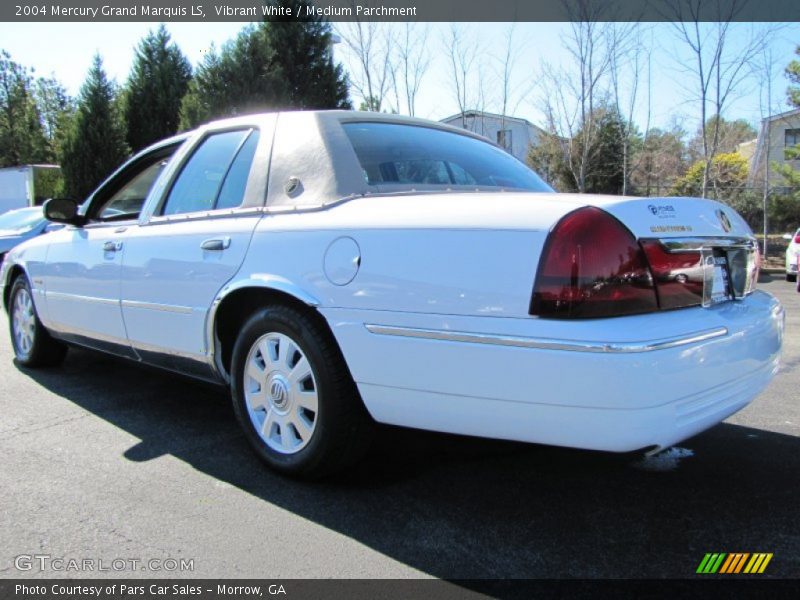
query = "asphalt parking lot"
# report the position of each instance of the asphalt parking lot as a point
(102, 459)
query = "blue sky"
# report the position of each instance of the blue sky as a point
(66, 49)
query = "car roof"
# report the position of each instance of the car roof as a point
(338, 116)
(313, 147)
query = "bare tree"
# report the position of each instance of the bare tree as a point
(507, 60)
(570, 94)
(626, 54)
(414, 60)
(512, 92)
(371, 62)
(719, 67)
(766, 67)
(462, 53)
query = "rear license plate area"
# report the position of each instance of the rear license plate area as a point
(716, 277)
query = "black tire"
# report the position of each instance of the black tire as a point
(341, 429)
(791, 277)
(38, 349)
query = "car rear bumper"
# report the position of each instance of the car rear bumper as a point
(610, 384)
(614, 430)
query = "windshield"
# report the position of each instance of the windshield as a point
(394, 154)
(21, 220)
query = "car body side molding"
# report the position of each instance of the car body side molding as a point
(549, 344)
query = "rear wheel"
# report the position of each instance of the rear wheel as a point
(294, 396)
(33, 345)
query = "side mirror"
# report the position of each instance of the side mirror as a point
(63, 210)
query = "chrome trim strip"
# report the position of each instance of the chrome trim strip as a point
(225, 213)
(546, 343)
(184, 310)
(152, 348)
(79, 298)
(698, 243)
(65, 329)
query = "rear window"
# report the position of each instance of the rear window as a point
(392, 154)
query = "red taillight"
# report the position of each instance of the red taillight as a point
(797, 239)
(592, 267)
(678, 275)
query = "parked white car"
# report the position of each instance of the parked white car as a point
(792, 256)
(340, 268)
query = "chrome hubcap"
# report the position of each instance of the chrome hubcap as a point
(281, 393)
(23, 322)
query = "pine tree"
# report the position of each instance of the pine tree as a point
(22, 138)
(270, 66)
(152, 97)
(793, 74)
(95, 144)
(603, 165)
(55, 108)
(303, 52)
(241, 79)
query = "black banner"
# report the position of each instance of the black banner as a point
(390, 589)
(401, 10)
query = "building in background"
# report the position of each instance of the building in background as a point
(512, 133)
(28, 185)
(747, 150)
(778, 132)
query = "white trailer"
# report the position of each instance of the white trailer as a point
(27, 185)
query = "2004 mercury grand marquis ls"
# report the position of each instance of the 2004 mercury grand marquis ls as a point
(340, 268)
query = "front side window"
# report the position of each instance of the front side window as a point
(396, 154)
(215, 176)
(127, 201)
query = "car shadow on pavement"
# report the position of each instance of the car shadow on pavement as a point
(456, 507)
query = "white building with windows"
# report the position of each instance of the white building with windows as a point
(778, 132)
(514, 134)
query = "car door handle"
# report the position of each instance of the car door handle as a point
(112, 246)
(216, 244)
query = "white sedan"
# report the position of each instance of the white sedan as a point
(340, 268)
(793, 256)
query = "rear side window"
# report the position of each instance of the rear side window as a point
(215, 176)
(232, 192)
(395, 154)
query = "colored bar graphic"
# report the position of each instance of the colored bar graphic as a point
(730, 561)
(733, 563)
(703, 563)
(766, 562)
(741, 562)
(711, 563)
(716, 565)
(754, 563)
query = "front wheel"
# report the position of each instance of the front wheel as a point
(33, 345)
(294, 396)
